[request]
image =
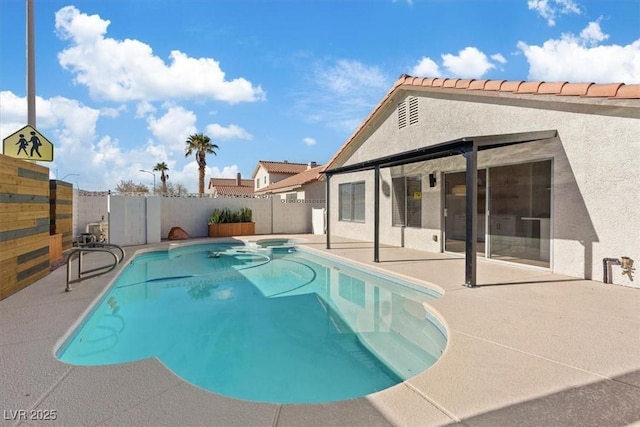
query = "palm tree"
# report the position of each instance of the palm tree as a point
(162, 167)
(201, 145)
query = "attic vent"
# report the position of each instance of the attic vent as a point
(402, 115)
(413, 110)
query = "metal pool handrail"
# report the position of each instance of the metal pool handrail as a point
(94, 247)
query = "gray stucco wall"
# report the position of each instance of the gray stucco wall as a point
(596, 176)
(135, 220)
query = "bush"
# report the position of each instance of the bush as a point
(225, 216)
(245, 215)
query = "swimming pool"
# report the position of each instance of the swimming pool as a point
(276, 324)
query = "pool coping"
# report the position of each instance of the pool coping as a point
(527, 347)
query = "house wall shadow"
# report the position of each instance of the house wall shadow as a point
(611, 402)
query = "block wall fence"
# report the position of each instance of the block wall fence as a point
(140, 219)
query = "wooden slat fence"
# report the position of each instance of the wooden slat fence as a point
(24, 224)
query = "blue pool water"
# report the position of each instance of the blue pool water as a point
(277, 325)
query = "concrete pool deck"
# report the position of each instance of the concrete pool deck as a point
(526, 348)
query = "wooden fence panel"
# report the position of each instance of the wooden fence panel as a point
(24, 224)
(61, 210)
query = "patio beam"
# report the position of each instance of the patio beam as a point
(471, 207)
(328, 211)
(376, 214)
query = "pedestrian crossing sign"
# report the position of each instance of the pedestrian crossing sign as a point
(28, 144)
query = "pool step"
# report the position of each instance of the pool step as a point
(350, 344)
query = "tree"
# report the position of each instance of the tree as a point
(201, 145)
(176, 189)
(131, 187)
(162, 167)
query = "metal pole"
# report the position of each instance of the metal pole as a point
(154, 179)
(376, 214)
(80, 265)
(271, 197)
(328, 204)
(471, 156)
(31, 67)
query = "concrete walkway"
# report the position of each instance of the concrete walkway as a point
(526, 348)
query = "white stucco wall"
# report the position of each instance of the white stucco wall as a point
(596, 176)
(313, 191)
(88, 208)
(135, 220)
(271, 178)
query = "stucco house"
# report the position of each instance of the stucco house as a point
(553, 177)
(233, 187)
(306, 185)
(269, 172)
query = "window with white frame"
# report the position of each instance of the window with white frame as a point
(351, 201)
(407, 201)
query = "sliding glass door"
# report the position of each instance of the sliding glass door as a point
(516, 200)
(520, 206)
(454, 211)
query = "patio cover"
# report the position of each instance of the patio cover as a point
(468, 147)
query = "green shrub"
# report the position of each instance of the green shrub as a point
(216, 217)
(224, 216)
(245, 215)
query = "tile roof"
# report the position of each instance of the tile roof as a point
(230, 181)
(281, 167)
(294, 181)
(602, 90)
(561, 90)
(229, 187)
(233, 190)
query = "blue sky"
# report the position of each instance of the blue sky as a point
(121, 84)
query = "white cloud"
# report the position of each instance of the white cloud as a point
(592, 34)
(469, 63)
(107, 153)
(226, 172)
(426, 67)
(499, 58)
(341, 94)
(339, 79)
(173, 128)
(216, 131)
(14, 113)
(125, 70)
(309, 141)
(112, 112)
(549, 9)
(187, 175)
(101, 162)
(580, 58)
(143, 108)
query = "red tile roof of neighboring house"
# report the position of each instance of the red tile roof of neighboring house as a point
(230, 187)
(562, 90)
(213, 182)
(294, 181)
(233, 190)
(280, 167)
